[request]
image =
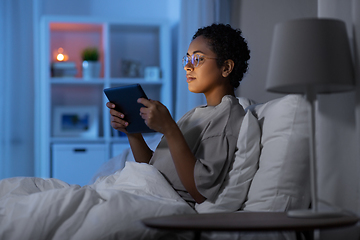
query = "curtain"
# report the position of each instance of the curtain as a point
(2, 89)
(195, 14)
(16, 89)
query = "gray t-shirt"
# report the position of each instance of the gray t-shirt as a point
(211, 132)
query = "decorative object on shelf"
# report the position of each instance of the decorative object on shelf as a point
(152, 73)
(63, 69)
(60, 55)
(130, 68)
(311, 56)
(76, 121)
(90, 65)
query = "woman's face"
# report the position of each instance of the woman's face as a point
(207, 76)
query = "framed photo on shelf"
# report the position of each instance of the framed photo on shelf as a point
(152, 73)
(76, 121)
(131, 68)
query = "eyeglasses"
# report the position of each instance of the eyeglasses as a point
(195, 59)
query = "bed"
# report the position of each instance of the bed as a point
(270, 173)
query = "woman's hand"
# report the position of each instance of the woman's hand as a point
(117, 118)
(141, 151)
(156, 115)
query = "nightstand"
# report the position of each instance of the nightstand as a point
(247, 222)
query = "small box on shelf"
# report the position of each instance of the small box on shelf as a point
(131, 68)
(63, 69)
(152, 73)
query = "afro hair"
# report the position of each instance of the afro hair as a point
(227, 43)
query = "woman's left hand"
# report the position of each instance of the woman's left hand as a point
(156, 115)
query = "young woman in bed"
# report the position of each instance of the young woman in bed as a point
(195, 154)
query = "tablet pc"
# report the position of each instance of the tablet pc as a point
(125, 100)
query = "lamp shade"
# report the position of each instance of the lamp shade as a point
(310, 54)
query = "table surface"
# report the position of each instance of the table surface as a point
(246, 221)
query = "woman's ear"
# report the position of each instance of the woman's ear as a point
(227, 68)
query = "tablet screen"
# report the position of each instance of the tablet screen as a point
(125, 100)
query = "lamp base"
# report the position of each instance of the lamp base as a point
(305, 213)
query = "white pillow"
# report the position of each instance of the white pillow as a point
(235, 187)
(282, 180)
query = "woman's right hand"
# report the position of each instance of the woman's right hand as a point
(117, 118)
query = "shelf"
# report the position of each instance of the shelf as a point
(141, 81)
(137, 46)
(95, 81)
(76, 27)
(95, 140)
(125, 42)
(99, 81)
(73, 38)
(76, 140)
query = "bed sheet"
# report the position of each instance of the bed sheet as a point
(111, 208)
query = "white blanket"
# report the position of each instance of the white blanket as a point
(111, 208)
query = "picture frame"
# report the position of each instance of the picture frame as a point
(131, 68)
(76, 121)
(152, 73)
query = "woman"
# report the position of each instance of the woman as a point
(194, 154)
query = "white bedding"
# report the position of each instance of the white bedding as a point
(111, 208)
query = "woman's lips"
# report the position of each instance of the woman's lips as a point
(189, 78)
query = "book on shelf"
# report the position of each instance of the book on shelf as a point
(63, 69)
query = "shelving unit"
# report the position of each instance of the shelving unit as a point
(144, 42)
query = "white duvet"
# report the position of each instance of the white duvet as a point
(111, 208)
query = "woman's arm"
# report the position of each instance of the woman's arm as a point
(157, 117)
(141, 151)
(184, 160)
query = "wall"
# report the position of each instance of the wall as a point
(257, 19)
(339, 153)
(339, 129)
(164, 9)
(337, 116)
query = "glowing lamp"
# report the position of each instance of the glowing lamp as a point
(61, 56)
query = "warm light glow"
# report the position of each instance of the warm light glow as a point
(60, 55)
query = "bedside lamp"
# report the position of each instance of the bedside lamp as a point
(310, 56)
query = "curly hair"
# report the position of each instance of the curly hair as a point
(227, 43)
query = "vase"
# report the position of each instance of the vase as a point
(90, 69)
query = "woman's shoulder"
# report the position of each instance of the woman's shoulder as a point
(187, 114)
(230, 103)
(231, 115)
(228, 107)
